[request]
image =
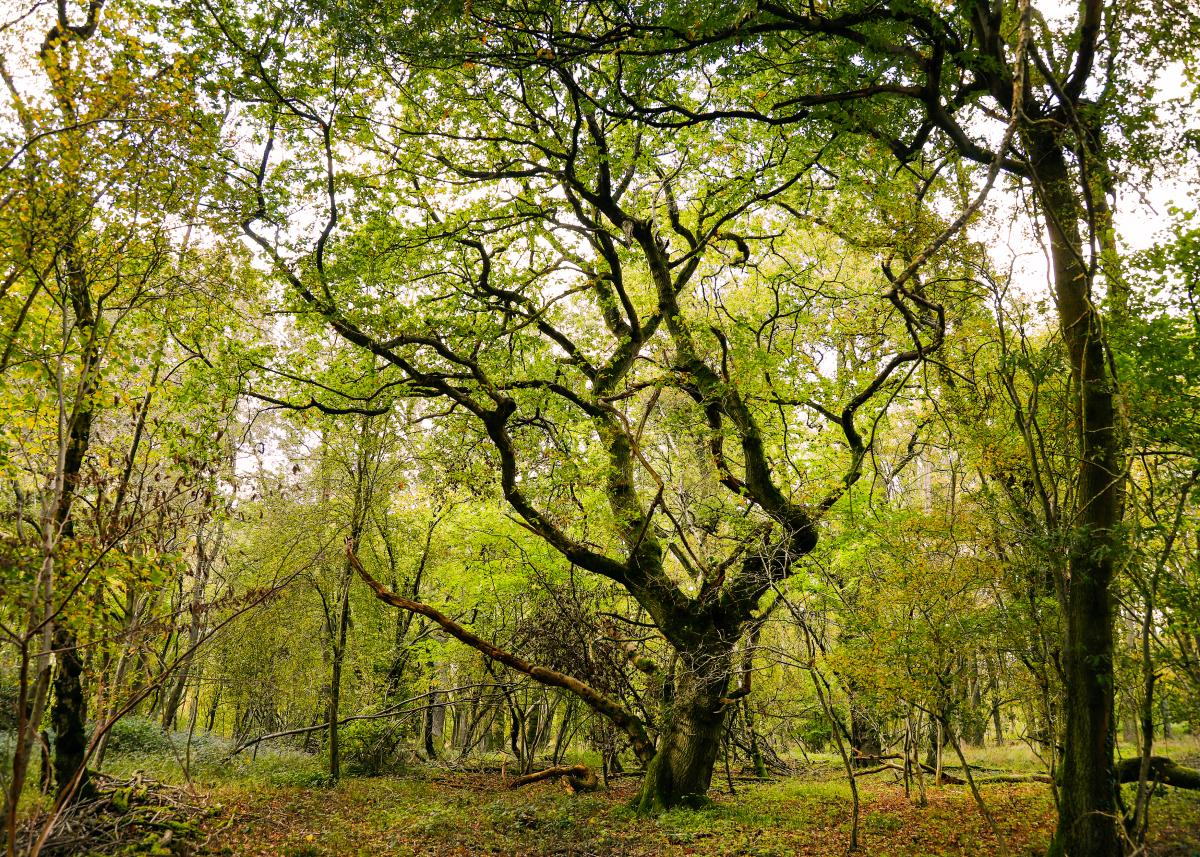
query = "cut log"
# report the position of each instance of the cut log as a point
(579, 778)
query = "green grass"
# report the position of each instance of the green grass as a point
(472, 815)
(280, 803)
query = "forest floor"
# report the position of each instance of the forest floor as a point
(468, 815)
(278, 805)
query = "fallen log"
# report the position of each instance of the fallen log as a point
(579, 778)
(886, 766)
(1162, 769)
(990, 779)
(947, 779)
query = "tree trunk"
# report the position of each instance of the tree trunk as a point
(681, 771)
(69, 715)
(974, 724)
(994, 696)
(1087, 823)
(564, 729)
(335, 700)
(211, 722)
(204, 559)
(757, 759)
(864, 737)
(31, 706)
(119, 675)
(335, 680)
(435, 722)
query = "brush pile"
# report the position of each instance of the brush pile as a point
(126, 817)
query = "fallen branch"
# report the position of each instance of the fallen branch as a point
(886, 766)
(859, 757)
(1014, 778)
(580, 778)
(945, 780)
(123, 816)
(1163, 770)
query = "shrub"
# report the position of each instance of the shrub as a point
(8, 707)
(372, 747)
(138, 735)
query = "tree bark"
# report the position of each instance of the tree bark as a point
(1088, 811)
(69, 714)
(681, 771)
(338, 657)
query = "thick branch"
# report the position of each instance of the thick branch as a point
(598, 702)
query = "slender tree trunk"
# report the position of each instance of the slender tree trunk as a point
(435, 711)
(32, 696)
(1088, 814)
(974, 719)
(994, 696)
(204, 557)
(430, 740)
(119, 674)
(564, 729)
(757, 760)
(335, 679)
(211, 722)
(69, 711)
(1139, 823)
(31, 706)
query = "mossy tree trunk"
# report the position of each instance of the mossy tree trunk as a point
(681, 771)
(1088, 811)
